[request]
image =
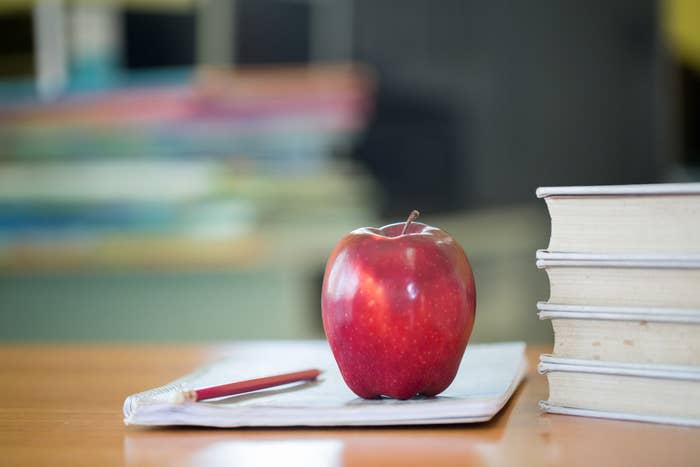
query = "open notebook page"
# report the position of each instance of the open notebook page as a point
(488, 376)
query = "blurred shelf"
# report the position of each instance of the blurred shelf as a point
(263, 285)
(124, 254)
(14, 5)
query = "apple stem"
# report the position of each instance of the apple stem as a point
(411, 217)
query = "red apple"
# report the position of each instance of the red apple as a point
(398, 309)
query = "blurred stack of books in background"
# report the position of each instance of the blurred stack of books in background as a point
(180, 175)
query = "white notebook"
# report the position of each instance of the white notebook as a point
(488, 376)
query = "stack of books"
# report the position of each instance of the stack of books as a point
(193, 174)
(624, 270)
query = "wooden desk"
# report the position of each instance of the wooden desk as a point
(61, 405)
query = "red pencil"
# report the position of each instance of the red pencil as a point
(241, 387)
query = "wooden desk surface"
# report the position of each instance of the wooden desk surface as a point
(61, 405)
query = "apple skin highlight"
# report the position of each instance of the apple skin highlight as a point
(398, 309)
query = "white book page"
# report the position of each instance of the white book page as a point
(550, 363)
(612, 190)
(684, 261)
(546, 406)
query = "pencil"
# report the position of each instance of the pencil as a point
(240, 387)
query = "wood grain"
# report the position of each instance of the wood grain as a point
(61, 405)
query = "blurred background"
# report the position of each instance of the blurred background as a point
(179, 170)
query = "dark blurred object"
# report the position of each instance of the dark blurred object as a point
(532, 93)
(172, 45)
(17, 44)
(412, 147)
(681, 27)
(690, 111)
(272, 32)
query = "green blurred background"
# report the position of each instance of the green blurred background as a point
(181, 170)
